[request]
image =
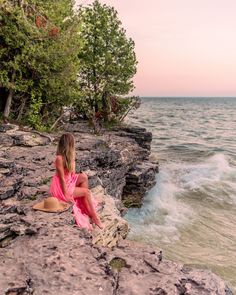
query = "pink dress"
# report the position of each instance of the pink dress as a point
(79, 209)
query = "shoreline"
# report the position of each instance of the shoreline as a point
(38, 245)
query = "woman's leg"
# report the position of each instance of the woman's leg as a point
(86, 194)
(82, 181)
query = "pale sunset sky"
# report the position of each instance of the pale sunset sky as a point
(184, 47)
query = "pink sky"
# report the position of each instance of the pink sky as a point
(184, 47)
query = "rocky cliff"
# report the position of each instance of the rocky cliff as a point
(45, 253)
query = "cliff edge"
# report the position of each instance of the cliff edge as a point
(45, 253)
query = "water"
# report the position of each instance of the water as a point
(191, 212)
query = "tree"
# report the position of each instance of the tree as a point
(107, 59)
(38, 59)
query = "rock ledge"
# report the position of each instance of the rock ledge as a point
(45, 253)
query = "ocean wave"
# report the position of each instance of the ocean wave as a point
(173, 202)
(190, 213)
(214, 177)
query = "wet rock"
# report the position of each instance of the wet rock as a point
(138, 181)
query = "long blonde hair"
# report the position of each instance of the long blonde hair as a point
(66, 148)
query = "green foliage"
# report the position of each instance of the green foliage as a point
(38, 58)
(125, 105)
(107, 58)
(33, 117)
(51, 57)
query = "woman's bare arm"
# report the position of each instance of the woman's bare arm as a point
(73, 167)
(60, 173)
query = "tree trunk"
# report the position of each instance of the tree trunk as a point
(105, 107)
(8, 104)
(57, 120)
(9, 98)
(95, 91)
(21, 109)
(96, 107)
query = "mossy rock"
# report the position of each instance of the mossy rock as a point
(45, 181)
(117, 264)
(131, 201)
(7, 240)
(33, 197)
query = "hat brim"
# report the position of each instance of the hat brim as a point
(40, 207)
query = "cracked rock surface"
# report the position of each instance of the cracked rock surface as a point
(45, 253)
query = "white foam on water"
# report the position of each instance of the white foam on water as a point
(191, 211)
(213, 178)
(211, 170)
(161, 212)
(165, 208)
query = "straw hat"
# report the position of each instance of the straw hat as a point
(51, 204)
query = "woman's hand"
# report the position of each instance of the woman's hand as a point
(70, 199)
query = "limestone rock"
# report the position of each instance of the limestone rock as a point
(141, 136)
(6, 140)
(28, 139)
(115, 227)
(46, 253)
(143, 274)
(139, 180)
(10, 128)
(9, 187)
(11, 135)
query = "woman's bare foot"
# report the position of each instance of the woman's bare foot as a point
(98, 222)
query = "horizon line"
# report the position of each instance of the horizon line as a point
(188, 96)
